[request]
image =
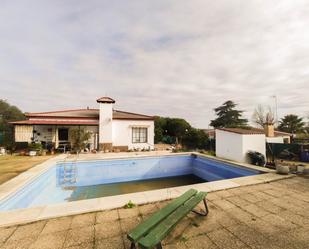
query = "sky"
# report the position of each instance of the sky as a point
(174, 58)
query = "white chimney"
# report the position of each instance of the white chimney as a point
(105, 123)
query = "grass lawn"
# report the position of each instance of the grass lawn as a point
(11, 166)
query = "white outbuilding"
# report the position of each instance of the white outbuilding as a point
(234, 143)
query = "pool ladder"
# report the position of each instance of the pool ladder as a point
(70, 172)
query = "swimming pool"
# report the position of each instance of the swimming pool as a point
(71, 181)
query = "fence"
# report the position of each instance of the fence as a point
(1, 138)
(283, 151)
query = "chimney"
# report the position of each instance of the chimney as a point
(269, 130)
(105, 123)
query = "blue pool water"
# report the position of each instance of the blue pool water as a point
(91, 179)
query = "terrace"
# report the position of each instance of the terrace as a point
(268, 215)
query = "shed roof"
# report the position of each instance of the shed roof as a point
(243, 131)
(253, 131)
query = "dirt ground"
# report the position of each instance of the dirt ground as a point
(11, 166)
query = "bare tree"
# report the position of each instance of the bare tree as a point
(261, 116)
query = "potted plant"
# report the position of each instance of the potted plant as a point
(79, 139)
(34, 149)
(282, 168)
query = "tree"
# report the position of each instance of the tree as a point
(177, 127)
(262, 117)
(291, 123)
(79, 138)
(228, 116)
(195, 139)
(171, 130)
(160, 127)
(8, 113)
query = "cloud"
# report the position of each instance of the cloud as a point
(172, 58)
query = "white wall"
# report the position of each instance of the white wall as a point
(122, 133)
(47, 133)
(255, 142)
(105, 122)
(278, 140)
(235, 146)
(229, 145)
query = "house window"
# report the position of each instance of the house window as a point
(139, 135)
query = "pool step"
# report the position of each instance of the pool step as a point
(69, 173)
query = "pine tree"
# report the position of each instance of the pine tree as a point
(228, 116)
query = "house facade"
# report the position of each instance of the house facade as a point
(110, 129)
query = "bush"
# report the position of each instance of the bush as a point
(35, 146)
(195, 139)
(256, 158)
(21, 145)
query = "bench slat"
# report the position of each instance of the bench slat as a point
(157, 217)
(162, 230)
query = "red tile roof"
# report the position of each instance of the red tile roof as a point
(77, 117)
(89, 113)
(55, 122)
(253, 131)
(80, 113)
(243, 131)
(130, 115)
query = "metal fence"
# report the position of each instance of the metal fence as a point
(293, 151)
(282, 151)
(1, 138)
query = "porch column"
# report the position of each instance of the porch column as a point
(56, 137)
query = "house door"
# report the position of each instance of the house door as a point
(63, 134)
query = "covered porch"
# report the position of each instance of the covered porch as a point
(54, 136)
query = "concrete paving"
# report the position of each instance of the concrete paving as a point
(271, 215)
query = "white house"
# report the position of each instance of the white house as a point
(234, 143)
(110, 129)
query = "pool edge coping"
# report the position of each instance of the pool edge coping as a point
(28, 215)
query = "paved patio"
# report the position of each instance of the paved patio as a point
(272, 215)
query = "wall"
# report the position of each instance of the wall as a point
(277, 140)
(44, 133)
(124, 170)
(235, 146)
(229, 145)
(122, 133)
(255, 143)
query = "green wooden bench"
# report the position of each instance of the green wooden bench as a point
(153, 230)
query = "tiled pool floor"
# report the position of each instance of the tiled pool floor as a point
(270, 215)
